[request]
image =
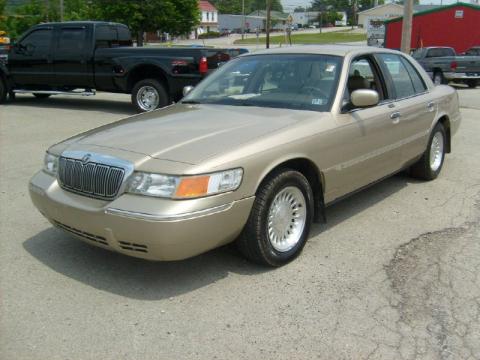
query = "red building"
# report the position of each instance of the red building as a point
(456, 25)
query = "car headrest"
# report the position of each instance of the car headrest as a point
(357, 82)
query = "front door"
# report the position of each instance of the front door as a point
(30, 61)
(370, 136)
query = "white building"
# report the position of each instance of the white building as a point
(209, 17)
(384, 12)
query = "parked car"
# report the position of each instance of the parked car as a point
(254, 154)
(82, 57)
(443, 65)
(473, 51)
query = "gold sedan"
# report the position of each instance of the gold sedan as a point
(254, 154)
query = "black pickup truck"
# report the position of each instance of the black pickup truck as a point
(84, 57)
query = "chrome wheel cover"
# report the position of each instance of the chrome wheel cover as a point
(286, 219)
(148, 98)
(436, 151)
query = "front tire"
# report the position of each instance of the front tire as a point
(148, 95)
(431, 162)
(3, 90)
(472, 83)
(280, 220)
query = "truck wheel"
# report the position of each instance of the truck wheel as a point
(280, 219)
(148, 95)
(431, 162)
(438, 78)
(3, 90)
(41, 96)
(471, 83)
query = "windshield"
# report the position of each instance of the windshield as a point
(292, 81)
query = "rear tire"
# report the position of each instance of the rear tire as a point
(472, 83)
(431, 162)
(148, 95)
(41, 96)
(279, 223)
(438, 78)
(3, 91)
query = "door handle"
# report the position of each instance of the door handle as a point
(395, 116)
(431, 106)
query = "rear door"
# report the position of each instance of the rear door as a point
(415, 107)
(30, 61)
(72, 57)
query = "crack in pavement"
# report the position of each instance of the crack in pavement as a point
(436, 278)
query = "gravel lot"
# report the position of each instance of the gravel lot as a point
(393, 275)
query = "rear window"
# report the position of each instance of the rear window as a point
(440, 52)
(106, 36)
(71, 41)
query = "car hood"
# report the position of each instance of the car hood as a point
(191, 133)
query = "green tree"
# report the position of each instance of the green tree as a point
(235, 6)
(173, 16)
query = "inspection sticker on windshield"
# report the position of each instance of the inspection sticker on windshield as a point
(317, 101)
(330, 67)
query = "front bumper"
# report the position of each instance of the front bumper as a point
(136, 230)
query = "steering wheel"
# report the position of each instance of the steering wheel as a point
(313, 89)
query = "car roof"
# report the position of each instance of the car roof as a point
(338, 50)
(67, 23)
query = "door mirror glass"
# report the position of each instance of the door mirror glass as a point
(364, 98)
(187, 89)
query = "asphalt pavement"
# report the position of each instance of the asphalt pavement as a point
(393, 275)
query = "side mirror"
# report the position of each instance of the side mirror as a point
(187, 89)
(364, 98)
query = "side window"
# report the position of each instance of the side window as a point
(402, 83)
(71, 41)
(105, 36)
(362, 75)
(37, 42)
(124, 36)
(417, 81)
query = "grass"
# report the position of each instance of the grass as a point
(320, 38)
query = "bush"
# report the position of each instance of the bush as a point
(209, 35)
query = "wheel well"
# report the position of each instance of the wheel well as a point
(445, 121)
(146, 72)
(308, 169)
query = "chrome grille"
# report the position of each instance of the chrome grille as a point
(91, 179)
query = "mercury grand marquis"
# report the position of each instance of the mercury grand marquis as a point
(254, 154)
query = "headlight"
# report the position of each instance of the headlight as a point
(50, 164)
(184, 187)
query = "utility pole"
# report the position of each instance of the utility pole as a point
(61, 10)
(243, 19)
(407, 26)
(267, 25)
(47, 7)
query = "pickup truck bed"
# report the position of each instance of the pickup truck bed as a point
(81, 57)
(443, 65)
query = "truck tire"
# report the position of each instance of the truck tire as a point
(438, 78)
(3, 90)
(472, 83)
(41, 96)
(148, 95)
